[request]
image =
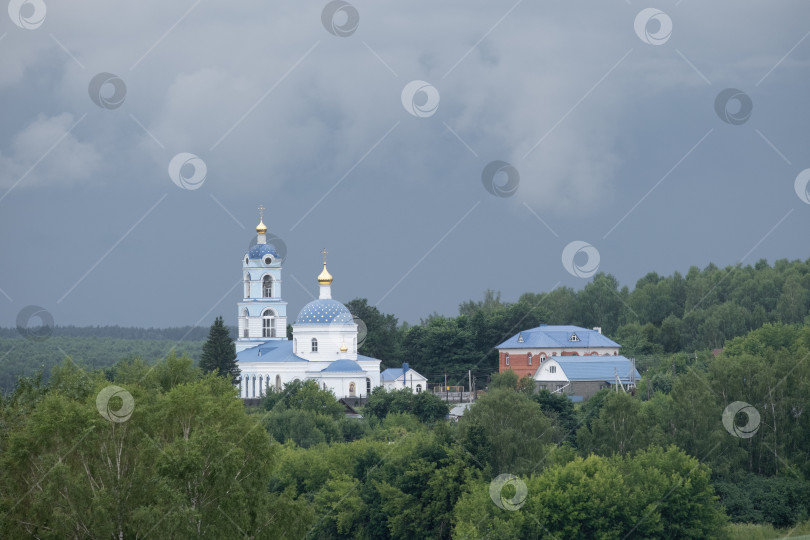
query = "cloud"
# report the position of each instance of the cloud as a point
(46, 154)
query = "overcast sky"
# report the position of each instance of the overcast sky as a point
(370, 129)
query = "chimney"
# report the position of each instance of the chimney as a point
(598, 329)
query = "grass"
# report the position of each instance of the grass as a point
(748, 531)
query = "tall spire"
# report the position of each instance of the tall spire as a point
(325, 279)
(261, 228)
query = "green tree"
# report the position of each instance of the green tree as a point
(507, 432)
(219, 353)
(654, 494)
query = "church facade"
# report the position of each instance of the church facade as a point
(323, 347)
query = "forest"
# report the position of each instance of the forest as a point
(713, 443)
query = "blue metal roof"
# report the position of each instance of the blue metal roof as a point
(324, 311)
(270, 351)
(596, 368)
(557, 337)
(391, 374)
(342, 366)
(260, 250)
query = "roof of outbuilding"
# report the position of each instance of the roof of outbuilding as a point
(391, 374)
(595, 368)
(546, 336)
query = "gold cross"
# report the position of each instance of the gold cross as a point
(324, 252)
(261, 212)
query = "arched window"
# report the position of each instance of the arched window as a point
(506, 358)
(352, 389)
(247, 285)
(268, 323)
(530, 358)
(418, 388)
(267, 287)
(245, 323)
(368, 386)
(278, 383)
(314, 345)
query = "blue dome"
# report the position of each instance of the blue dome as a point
(324, 312)
(260, 250)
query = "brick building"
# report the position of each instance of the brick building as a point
(567, 359)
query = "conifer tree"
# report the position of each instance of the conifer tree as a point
(219, 353)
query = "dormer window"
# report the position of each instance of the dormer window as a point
(520, 338)
(573, 337)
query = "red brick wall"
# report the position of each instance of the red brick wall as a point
(519, 363)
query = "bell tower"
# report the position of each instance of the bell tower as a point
(262, 313)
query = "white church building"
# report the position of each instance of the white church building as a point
(324, 343)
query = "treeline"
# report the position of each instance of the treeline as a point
(190, 333)
(25, 357)
(660, 316)
(695, 312)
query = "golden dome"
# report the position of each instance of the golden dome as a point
(325, 278)
(261, 228)
(344, 348)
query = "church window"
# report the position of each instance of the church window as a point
(268, 323)
(552, 369)
(418, 388)
(245, 323)
(314, 345)
(247, 285)
(530, 358)
(368, 386)
(267, 287)
(506, 358)
(295, 346)
(352, 389)
(278, 383)
(268, 260)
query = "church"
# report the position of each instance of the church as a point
(323, 347)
